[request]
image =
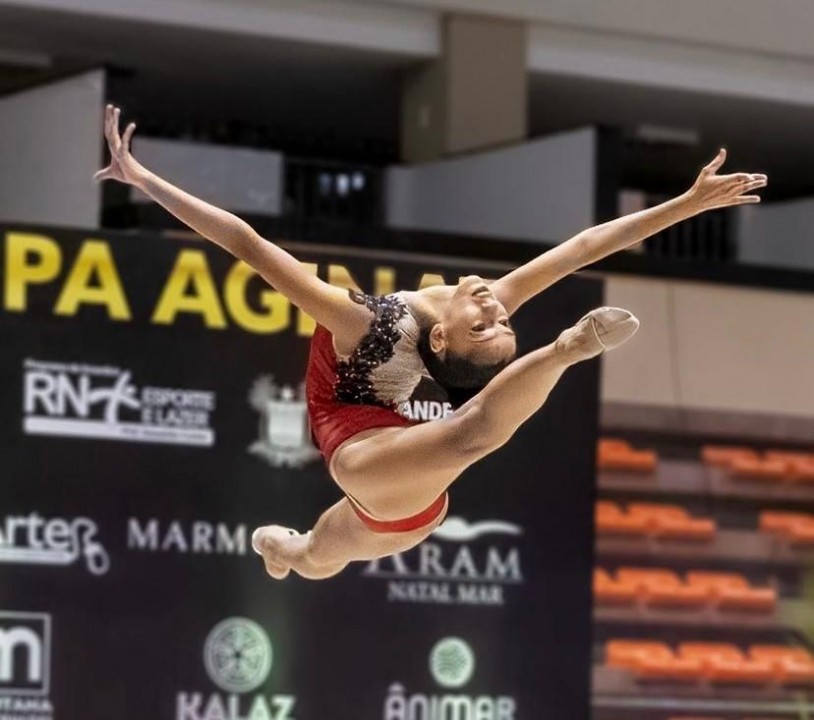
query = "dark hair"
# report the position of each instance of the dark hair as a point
(460, 377)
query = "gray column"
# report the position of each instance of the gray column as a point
(471, 98)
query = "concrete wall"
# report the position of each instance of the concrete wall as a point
(487, 91)
(236, 179)
(46, 179)
(708, 347)
(778, 235)
(540, 190)
(423, 113)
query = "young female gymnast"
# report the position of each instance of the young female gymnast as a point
(368, 354)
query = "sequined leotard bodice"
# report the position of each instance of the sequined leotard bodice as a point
(350, 394)
(385, 367)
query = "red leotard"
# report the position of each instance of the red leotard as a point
(333, 422)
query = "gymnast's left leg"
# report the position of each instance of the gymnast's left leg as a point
(339, 537)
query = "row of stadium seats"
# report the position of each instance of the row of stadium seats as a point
(674, 522)
(744, 463)
(652, 519)
(661, 588)
(717, 663)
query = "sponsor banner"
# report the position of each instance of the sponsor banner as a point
(452, 664)
(25, 666)
(91, 401)
(153, 415)
(34, 540)
(238, 657)
(463, 563)
(198, 537)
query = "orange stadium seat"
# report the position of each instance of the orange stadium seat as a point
(788, 456)
(672, 521)
(643, 578)
(795, 528)
(611, 519)
(778, 523)
(731, 591)
(607, 507)
(757, 469)
(608, 591)
(651, 661)
(611, 445)
(724, 663)
(802, 470)
(615, 454)
(722, 456)
(688, 529)
(657, 511)
(626, 654)
(802, 534)
(791, 665)
(744, 468)
(799, 467)
(663, 588)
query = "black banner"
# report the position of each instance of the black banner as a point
(152, 416)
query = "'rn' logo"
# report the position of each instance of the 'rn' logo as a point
(25, 653)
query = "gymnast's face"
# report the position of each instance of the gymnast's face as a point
(475, 325)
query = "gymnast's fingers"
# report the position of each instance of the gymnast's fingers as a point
(115, 138)
(128, 135)
(754, 185)
(716, 162)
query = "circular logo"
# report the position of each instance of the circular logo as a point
(237, 655)
(452, 662)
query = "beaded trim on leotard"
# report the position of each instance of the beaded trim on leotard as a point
(354, 384)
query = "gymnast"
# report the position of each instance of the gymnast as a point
(369, 353)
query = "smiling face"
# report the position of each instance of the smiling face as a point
(474, 325)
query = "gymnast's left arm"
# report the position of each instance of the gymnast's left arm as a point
(710, 191)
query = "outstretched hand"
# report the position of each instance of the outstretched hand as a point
(712, 190)
(123, 166)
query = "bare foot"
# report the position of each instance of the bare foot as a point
(602, 329)
(273, 543)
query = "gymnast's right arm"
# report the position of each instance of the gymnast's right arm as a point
(328, 305)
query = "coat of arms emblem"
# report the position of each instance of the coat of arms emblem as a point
(285, 438)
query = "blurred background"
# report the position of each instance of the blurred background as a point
(453, 132)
